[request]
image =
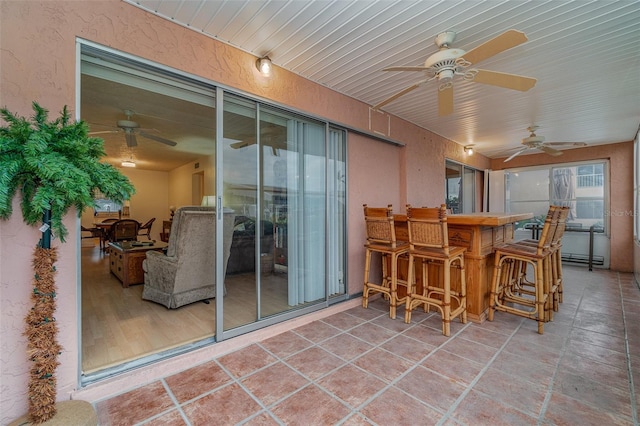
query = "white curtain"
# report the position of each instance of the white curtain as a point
(306, 209)
(564, 189)
(336, 191)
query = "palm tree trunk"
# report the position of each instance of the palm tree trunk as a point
(42, 345)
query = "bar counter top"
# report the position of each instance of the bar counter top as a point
(486, 218)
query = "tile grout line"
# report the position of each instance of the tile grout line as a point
(475, 380)
(416, 364)
(565, 344)
(168, 410)
(634, 407)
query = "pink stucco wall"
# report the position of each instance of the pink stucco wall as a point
(38, 62)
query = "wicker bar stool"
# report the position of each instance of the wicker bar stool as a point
(381, 238)
(429, 241)
(555, 247)
(508, 283)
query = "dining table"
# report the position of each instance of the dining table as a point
(479, 233)
(105, 227)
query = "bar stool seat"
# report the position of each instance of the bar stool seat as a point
(429, 241)
(381, 238)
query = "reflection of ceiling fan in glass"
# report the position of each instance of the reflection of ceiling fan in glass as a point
(132, 128)
(270, 135)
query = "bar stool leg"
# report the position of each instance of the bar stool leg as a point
(540, 299)
(493, 296)
(446, 299)
(365, 289)
(394, 286)
(410, 283)
(463, 289)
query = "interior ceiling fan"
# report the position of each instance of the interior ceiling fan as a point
(537, 142)
(132, 128)
(448, 62)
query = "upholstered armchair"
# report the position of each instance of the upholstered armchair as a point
(186, 272)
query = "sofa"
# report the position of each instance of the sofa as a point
(242, 257)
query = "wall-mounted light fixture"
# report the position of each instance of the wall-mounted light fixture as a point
(264, 65)
(128, 163)
(468, 149)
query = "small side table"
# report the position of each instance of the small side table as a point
(125, 260)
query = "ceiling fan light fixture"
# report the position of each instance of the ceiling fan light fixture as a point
(445, 74)
(128, 163)
(264, 65)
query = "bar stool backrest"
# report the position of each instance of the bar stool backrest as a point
(548, 229)
(380, 225)
(561, 226)
(428, 227)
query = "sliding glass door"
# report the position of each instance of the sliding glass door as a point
(275, 179)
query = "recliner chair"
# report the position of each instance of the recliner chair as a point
(186, 273)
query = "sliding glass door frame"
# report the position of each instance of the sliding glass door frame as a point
(222, 332)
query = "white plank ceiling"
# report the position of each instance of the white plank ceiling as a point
(584, 54)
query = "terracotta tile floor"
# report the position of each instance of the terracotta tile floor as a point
(358, 367)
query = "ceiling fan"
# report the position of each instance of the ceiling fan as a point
(537, 142)
(132, 128)
(448, 62)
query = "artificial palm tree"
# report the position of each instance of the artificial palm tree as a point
(54, 165)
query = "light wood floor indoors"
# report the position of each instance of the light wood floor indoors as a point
(118, 326)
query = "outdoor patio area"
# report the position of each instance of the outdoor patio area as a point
(358, 367)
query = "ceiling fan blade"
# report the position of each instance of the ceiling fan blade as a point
(445, 101)
(549, 150)
(399, 94)
(508, 81)
(515, 154)
(566, 143)
(241, 144)
(498, 44)
(130, 137)
(406, 69)
(158, 139)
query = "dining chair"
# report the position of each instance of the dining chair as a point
(106, 232)
(381, 238)
(94, 232)
(124, 230)
(429, 242)
(512, 261)
(146, 228)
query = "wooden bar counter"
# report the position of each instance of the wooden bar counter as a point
(478, 233)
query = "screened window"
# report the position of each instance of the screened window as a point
(580, 186)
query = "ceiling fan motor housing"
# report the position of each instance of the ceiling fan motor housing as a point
(533, 140)
(127, 124)
(443, 60)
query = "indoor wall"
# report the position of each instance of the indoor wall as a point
(150, 199)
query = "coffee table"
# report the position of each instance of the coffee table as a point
(125, 259)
